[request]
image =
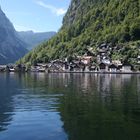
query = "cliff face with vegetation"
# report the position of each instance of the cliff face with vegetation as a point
(89, 23)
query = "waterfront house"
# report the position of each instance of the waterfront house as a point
(138, 59)
(103, 46)
(87, 68)
(86, 59)
(57, 62)
(3, 68)
(19, 68)
(117, 62)
(77, 66)
(127, 68)
(106, 60)
(113, 68)
(12, 70)
(93, 67)
(42, 65)
(103, 67)
(53, 68)
(41, 69)
(65, 67)
(61, 65)
(34, 69)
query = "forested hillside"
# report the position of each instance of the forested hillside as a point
(89, 23)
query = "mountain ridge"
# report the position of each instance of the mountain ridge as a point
(11, 47)
(35, 37)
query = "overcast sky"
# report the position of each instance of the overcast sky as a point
(36, 15)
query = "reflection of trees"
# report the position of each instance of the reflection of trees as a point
(103, 110)
(91, 106)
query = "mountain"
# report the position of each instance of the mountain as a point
(89, 23)
(11, 46)
(35, 38)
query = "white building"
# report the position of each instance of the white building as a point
(86, 60)
(126, 68)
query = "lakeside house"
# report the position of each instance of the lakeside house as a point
(89, 62)
(86, 59)
(138, 59)
(77, 66)
(93, 67)
(126, 68)
(103, 48)
(3, 68)
(113, 68)
(106, 60)
(74, 66)
(53, 68)
(117, 62)
(103, 67)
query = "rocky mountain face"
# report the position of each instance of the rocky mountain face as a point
(33, 39)
(11, 46)
(89, 23)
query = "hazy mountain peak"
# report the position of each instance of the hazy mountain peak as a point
(35, 37)
(11, 47)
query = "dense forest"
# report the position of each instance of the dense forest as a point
(89, 23)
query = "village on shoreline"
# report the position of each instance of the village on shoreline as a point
(79, 64)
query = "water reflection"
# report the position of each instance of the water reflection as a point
(106, 108)
(34, 112)
(69, 106)
(7, 87)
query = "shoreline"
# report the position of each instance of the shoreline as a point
(100, 72)
(90, 72)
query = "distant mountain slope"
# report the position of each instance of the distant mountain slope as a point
(89, 23)
(11, 47)
(34, 39)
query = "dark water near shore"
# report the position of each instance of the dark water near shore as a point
(69, 107)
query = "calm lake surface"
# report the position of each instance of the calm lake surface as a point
(69, 107)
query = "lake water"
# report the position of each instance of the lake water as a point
(69, 107)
